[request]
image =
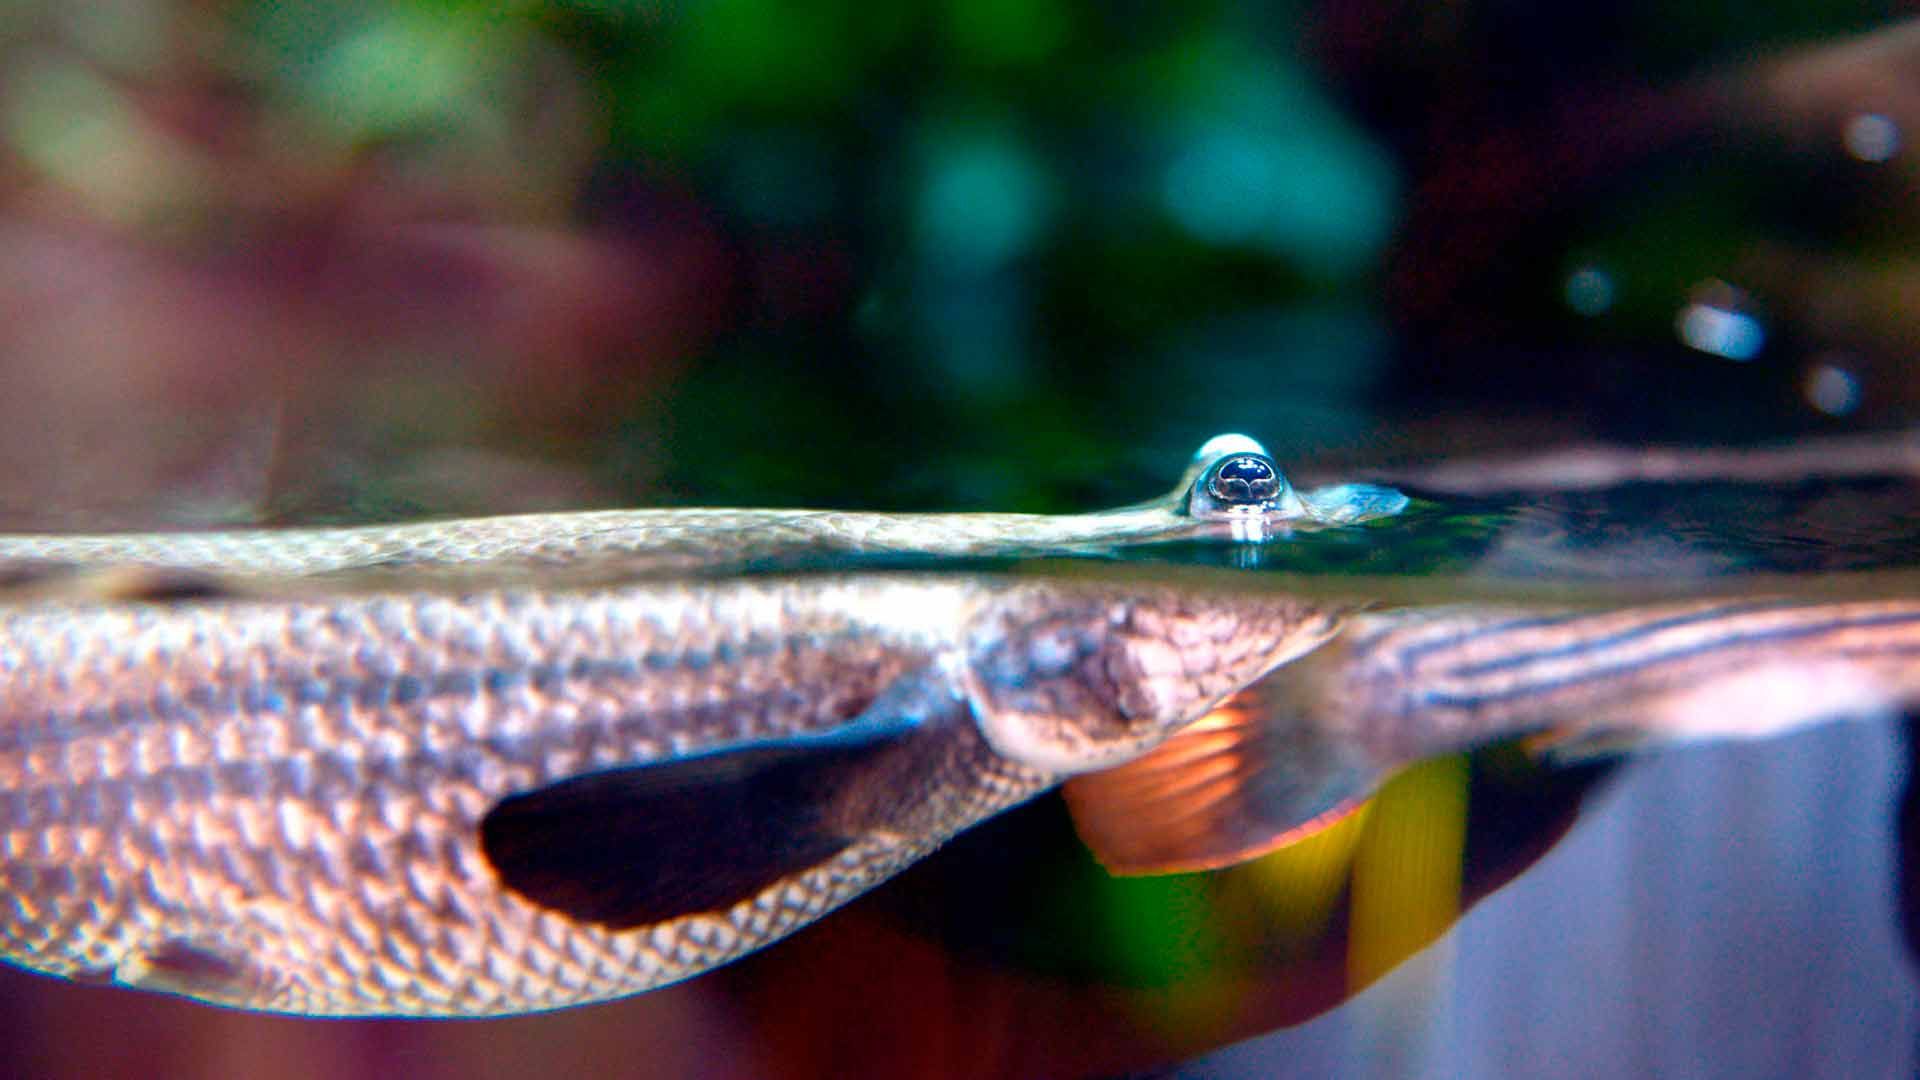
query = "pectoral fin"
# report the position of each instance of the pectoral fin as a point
(633, 846)
(1248, 777)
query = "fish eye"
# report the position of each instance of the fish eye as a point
(1243, 480)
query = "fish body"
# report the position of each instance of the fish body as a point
(281, 787)
(427, 804)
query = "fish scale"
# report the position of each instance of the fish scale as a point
(277, 804)
(219, 820)
(664, 539)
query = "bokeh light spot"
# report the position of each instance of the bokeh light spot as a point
(1716, 321)
(1589, 291)
(1872, 137)
(1264, 161)
(401, 72)
(77, 130)
(1832, 389)
(983, 203)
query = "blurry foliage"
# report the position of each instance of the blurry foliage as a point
(988, 213)
(964, 252)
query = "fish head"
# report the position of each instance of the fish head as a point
(1067, 680)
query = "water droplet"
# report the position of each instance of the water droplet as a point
(1589, 291)
(1871, 137)
(1832, 389)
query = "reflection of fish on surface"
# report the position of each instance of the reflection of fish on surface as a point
(1230, 489)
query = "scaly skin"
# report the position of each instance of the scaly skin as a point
(275, 804)
(1412, 684)
(639, 540)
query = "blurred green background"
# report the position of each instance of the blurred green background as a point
(333, 260)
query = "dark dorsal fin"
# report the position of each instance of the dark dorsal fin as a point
(1253, 775)
(633, 846)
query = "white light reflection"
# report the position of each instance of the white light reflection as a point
(1589, 291)
(1872, 137)
(1248, 526)
(1832, 389)
(1721, 331)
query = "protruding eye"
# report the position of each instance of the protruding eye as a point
(1232, 480)
(1243, 480)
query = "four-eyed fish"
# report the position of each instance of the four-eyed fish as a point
(306, 794)
(300, 793)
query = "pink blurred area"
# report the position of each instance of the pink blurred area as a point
(147, 385)
(225, 306)
(58, 1030)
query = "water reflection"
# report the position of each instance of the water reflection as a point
(1657, 537)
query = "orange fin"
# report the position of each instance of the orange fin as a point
(1250, 776)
